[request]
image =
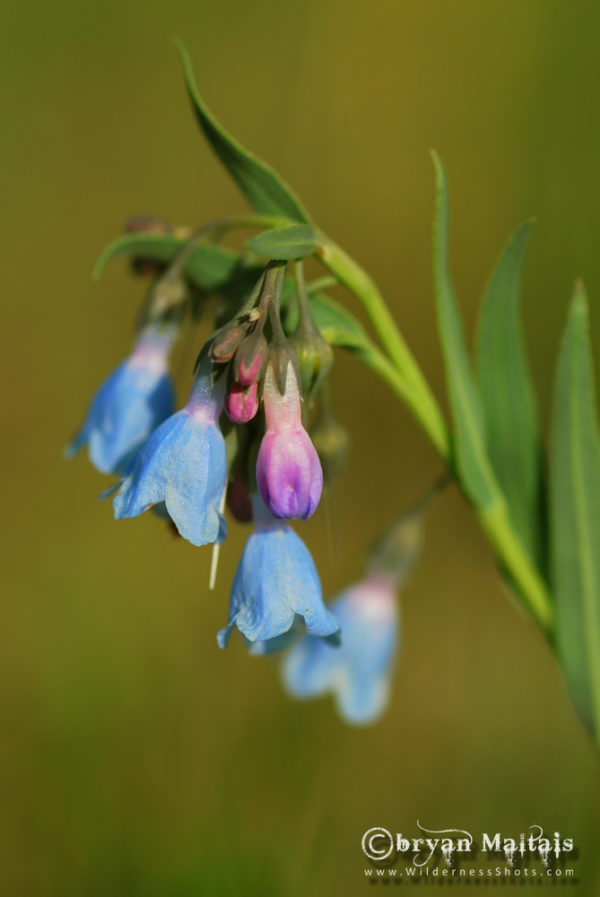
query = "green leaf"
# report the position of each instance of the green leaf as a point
(296, 241)
(264, 189)
(575, 516)
(509, 407)
(338, 326)
(470, 456)
(209, 267)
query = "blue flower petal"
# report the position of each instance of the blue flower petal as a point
(274, 645)
(275, 582)
(129, 405)
(361, 701)
(183, 464)
(357, 672)
(309, 667)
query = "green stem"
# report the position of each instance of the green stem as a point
(530, 586)
(422, 400)
(320, 284)
(401, 372)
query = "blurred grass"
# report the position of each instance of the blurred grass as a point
(137, 758)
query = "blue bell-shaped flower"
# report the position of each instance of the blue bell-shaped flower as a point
(183, 464)
(276, 582)
(130, 404)
(357, 672)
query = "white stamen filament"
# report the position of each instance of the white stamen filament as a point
(214, 561)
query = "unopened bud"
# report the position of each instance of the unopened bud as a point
(250, 358)
(225, 343)
(148, 224)
(332, 442)
(241, 403)
(288, 471)
(315, 359)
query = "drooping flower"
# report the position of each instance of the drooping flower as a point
(183, 464)
(288, 470)
(130, 404)
(276, 582)
(357, 672)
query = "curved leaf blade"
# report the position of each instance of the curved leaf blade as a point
(470, 456)
(338, 326)
(508, 400)
(575, 516)
(296, 241)
(264, 189)
(209, 267)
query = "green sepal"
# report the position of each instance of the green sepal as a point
(575, 516)
(264, 189)
(508, 398)
(337, 326)
(296, 241)
(340, 328)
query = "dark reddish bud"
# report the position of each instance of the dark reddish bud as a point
(249, 374)
(148, 224)
(226, 343)
(144, 267)
(250, 358)
(238, 499)
(241, 403)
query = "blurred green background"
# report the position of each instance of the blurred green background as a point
(138, 759)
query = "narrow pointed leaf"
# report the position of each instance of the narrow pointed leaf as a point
(470, 456)
(209, 267)
(264, 189)
(509, 407)
(575, 516)
(297, 241)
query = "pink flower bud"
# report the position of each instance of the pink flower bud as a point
(288, 470)
(250, 358)
(241, 404)
(247, 374)
(225, 344)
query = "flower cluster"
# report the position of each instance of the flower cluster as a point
(248, 387)
(130, 404)
(242, 440)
